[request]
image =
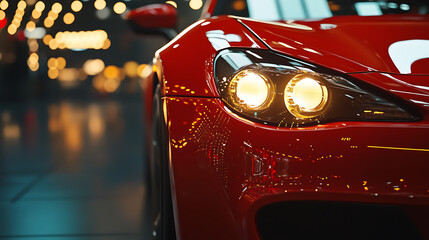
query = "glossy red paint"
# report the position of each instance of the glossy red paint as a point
(414, 88)
(212, 152)
(349, 43)
(154, 16)
(199, 44)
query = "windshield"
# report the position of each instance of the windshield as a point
(277, 10)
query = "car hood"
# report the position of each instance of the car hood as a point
(396, 44)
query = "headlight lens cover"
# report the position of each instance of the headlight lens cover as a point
(250, 90)
(278, 90)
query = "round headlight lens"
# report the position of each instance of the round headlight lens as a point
(306, 97)
(250, 89)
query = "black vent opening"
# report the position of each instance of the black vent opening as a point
(334, 220)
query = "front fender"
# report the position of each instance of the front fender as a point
(185, 65)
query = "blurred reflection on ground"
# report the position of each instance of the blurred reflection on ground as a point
(72, 170)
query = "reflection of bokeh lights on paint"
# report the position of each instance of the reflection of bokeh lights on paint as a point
(4, 5)
(119, 8)
(76, 6)
(131, 69)
(93, 66)
(172, 3)
(103, 14)
(68, 18)
(196, 4)
(99, 4)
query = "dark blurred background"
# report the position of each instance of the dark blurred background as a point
(72, 151)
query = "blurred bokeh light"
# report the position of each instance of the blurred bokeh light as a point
(51, 49)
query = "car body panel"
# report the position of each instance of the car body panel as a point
(223, 167)
(348, 44)
(191, 54)
(414, 88)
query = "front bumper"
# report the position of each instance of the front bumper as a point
(225, 168)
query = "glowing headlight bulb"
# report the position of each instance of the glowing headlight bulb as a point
(306, 97)
(251, 89)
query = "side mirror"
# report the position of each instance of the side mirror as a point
(154, 19)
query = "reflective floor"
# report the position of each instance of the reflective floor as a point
(72, 170)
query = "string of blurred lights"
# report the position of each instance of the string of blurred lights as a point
(33, 59)
(19, 13)
(4, 5)
(81, 40)
(53, 14)
(38, 10)
(106, 78)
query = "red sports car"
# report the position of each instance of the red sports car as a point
(291, 119)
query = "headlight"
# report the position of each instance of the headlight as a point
(278, 90)
(250, 90)
(305, 96)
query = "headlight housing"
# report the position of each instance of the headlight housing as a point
(277, 90)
